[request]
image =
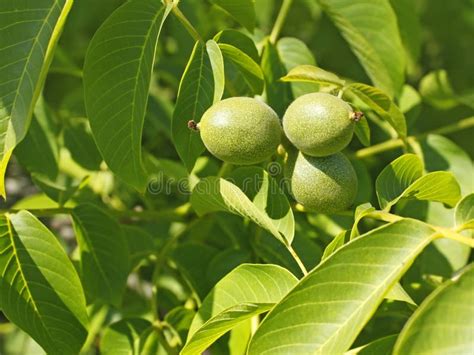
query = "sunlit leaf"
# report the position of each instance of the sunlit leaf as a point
(217, 64)
(312, 74)
(328, 308)
(444, 322)
(255, 289)
(370, 28)
(40, 290)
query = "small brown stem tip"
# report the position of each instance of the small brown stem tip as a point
(193, 125)
(357, 116)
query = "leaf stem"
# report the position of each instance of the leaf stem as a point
(449, 234)
(184, 21)
(398, 143)
(280, 21)
(298, 260)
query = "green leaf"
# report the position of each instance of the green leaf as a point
(39, 151)
(313, 74)
(140, 244)
(464, 214)
(278, 94)
(40, 290)
(240, 41)
(56, 191)
(217, 64)
(270, 208)
(437, 91)
(242, 11)
(246, 291)
(381, 103)
(370, 28)
(329, 307)
(335, 244)
(123, 337)
(397, 177)
(398, 293)
(117, 74)
(382, 346)
(272, 251)
(444, 322)
(193, 260)
(402, 179)
(78, 140)
(195, 96)
(410, 28)
(294, 52)
(224, 262)
(362, 131)
(266, 194)
(104, 254)
(250, 70)
(28, 36)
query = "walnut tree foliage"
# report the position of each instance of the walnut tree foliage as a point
(129, 237)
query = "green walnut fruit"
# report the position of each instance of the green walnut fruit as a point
(241, 130)
(323, 184)
(319, 124)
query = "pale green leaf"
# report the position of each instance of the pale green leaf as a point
(40, 290)
(444, 322)
(335, 244)
(328, 308)
(362, 131)
(195, 96)
(28, 35)
(370, 28)
(396, 178)
(123, 337)
(294, 52)
(381, 103)
(312, 74)
(104, 263)
(117, 75)
(250, 70)
(248, 290)
(217, 64)
(464, 214)
(398, 293)
(242, 11)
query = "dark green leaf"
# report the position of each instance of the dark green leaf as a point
(117, 74)
(242, 11)
(104, 254)
(140, 244)
(78, 140)
(194, 98)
